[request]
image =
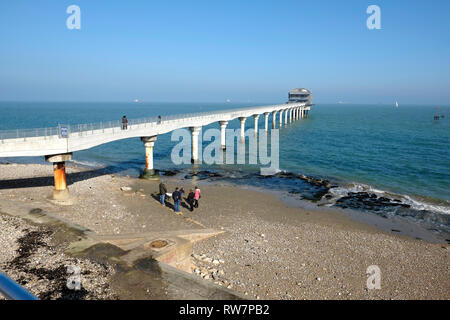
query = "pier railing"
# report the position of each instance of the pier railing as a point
(13, 291)
(90, 128)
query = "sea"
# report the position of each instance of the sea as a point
(376, 159)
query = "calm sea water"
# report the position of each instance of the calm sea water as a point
(399, 151)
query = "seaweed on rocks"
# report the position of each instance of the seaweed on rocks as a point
(203, 175)
(369, 201)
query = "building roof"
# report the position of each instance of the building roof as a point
(300, 90)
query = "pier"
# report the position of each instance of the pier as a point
(57, 144)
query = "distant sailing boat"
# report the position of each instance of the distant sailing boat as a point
(437, 117)
(396, 104)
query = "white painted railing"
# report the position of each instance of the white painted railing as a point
(99, 127)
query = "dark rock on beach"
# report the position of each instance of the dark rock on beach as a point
(369, 202)
(203, 175)
(385, 207)
(171, 173)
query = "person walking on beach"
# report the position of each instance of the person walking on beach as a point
(124, 123)
(159, 119)
(197, 196)
(162, 193)
(176, 195)
(190, 200)
(181, 194)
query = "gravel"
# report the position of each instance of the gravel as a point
(29, 258)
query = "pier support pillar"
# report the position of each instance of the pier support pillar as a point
(149, 172)
(281, 118)
(290, 115)
(297, 114)
(223, 127)
(195, 132)
(274, 118)
(242, 120)
(286, 116)
(301, 113)
(59, 172)
(256, 117)
(266, 121)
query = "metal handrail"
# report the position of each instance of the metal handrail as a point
(13, 291)
(84, 129)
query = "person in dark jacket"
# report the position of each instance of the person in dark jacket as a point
(124, 123)
(190, 200)
(176, 195)
(162, 193)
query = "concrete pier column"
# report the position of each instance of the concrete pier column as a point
(290, 115)
(281, 117)
(302, 113)
(297, 114)
(256, 117)
(59, 172)
(149, 172)
(266, 121)
(274, 118)
(242, 120)
(286, 116)
(223, 127)
(195, 132)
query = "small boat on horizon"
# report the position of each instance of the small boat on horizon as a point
(396, 104)
(437, 117)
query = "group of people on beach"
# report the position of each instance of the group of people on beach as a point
(177, 195)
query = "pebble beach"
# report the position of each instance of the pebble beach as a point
(268, 250)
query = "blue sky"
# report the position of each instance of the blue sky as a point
(214, 50)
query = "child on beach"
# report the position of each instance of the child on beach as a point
(197, 196)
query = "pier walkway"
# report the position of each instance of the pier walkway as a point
(57, 144)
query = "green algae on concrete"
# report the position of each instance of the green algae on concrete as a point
(150, 175)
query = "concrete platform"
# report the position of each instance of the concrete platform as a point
(143, 270)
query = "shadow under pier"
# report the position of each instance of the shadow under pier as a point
(45, 181)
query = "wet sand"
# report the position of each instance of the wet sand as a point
(270, 249)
